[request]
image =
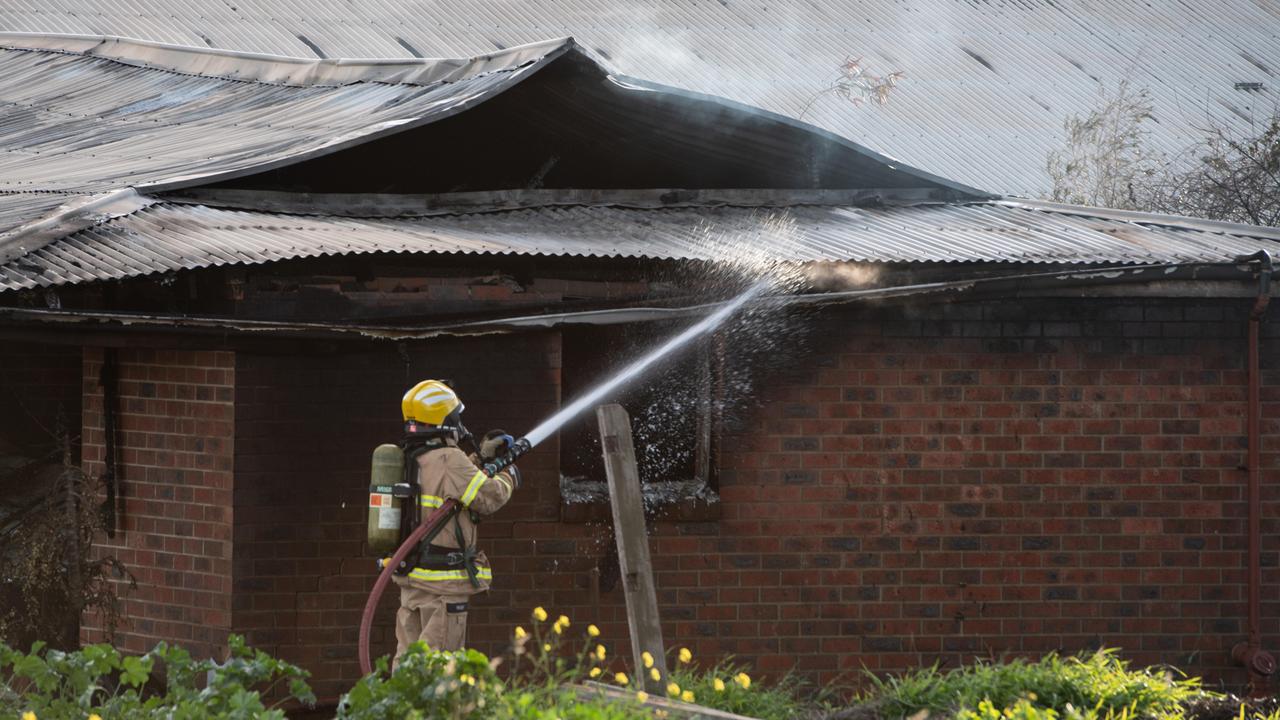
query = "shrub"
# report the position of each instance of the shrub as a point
(164, 683)
(546, 676)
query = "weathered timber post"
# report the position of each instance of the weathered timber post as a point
(633, 543)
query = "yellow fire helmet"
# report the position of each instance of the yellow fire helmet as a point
(433, 403)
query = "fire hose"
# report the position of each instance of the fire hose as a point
(429, 527)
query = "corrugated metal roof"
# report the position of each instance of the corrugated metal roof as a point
(91, 116)
(167, 236)
(76, 124)
(17, 208)
(988, 84)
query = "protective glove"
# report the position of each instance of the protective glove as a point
(493, 443)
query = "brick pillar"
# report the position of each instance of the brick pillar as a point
(175, 445)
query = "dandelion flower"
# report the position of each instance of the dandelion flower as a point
(556, 628)
(685, 655)
(28, 715)
(620, 678)
(718, 684)
(673, 690)
(94, 716)
(595, 672)
(600, 653)
(563, 620)
(744, 680)
(642, 696)
(653, 673)
(520, 633)
(687, 696)
(539, 614)
(593, 631)
(647, 658)
(546, 647)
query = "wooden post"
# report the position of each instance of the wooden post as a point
(633, 544)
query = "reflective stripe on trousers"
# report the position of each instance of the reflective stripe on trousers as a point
(425, 575)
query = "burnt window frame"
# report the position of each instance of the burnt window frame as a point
(699, 498)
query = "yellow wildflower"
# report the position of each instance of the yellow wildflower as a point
(467, 679)
(556, 628)
(520, 633)
(546, 647)
(673, 690)
(744, 680)
(600, 653)
(718, 684)
(642, 696)
(595, 672)
(593, 631)
(563, 620)
(687, 696)
(653, 673)
(647, 658)
(620, 678)
(94, 716)
(539, 614)
(28, 715)
(685, 655)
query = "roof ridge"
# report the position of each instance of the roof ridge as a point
(1143, 217)
(263, 68)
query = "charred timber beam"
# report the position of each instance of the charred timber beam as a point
(1006, 286)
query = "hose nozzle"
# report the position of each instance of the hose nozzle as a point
(514, 450)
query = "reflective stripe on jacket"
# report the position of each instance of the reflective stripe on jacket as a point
(448, 472)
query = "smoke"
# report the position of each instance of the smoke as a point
(837, 276)
(654, 47)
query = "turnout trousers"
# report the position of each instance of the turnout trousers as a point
(438, 620)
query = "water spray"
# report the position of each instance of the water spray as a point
(517, 447)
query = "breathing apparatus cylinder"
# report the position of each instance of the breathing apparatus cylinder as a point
(386, 503)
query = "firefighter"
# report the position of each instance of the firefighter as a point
(445, 571)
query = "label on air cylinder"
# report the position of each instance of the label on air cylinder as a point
(388, 518)
(379, 500)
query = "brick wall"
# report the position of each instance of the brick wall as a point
(38, 383)
(983, 479)
(305, 429)
(175, 456)
(923, 485)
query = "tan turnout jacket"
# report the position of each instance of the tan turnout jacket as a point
(449, 473)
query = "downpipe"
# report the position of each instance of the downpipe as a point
(431, 525)
(1249, 653)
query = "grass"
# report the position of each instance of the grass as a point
(1097, 684)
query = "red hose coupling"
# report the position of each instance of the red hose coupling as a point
(1257, 661)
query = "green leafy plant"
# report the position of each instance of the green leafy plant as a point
(164, 683)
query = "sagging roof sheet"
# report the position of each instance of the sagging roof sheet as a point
(86, 117)
(988, 84)
(163, 236)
